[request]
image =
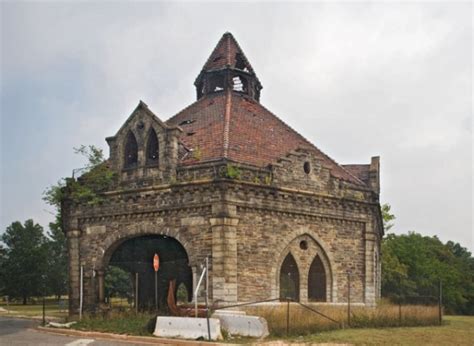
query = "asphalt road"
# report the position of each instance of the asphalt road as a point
(18, 332)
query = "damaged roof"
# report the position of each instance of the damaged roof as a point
(231, 125)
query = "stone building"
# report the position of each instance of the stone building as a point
(227, 179)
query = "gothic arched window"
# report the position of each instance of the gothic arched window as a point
(289, 279)
(152, 148)
(317, 281)
(131, 151)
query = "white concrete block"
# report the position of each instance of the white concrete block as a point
(187, 328)
(234, 324)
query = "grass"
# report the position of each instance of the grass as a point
(52, 308)
(303, 322)
(117, 322)
(456, 330)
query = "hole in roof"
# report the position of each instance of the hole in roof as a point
(307, 167)
(190, 133)
(239, 61)
(186, 122)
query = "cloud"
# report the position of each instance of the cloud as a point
(357, 79)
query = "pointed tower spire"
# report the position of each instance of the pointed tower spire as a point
(228, 68)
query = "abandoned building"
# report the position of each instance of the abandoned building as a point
(226, 179)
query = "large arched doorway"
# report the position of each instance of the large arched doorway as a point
(317, 281)
(135, 256)
(289, 279)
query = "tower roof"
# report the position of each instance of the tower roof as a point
(232, 125)
(227, 53)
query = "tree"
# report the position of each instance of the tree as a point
(57, 259)
(24, 260)
(118, 283)
(413, 265)
(96, 178)
(387, 217)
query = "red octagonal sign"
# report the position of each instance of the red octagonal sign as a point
(156, 262)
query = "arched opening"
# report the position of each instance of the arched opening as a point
(317, 281)
(131, 151)
(289, 279)
(152, 149)
(135, 256)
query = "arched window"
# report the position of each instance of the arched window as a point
(317, 281)
(131, 151)
(289, 279)
(152, 149)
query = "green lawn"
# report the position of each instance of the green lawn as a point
(52, 309)
(456, 330)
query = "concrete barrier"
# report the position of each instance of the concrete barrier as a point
(187, 328)
(253, 326)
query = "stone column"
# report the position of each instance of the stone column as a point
(224, 259)
(369, 289)
(73, 239)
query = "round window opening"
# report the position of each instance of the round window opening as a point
(303, 245)
(307, 167)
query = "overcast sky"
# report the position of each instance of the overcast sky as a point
(356, 79)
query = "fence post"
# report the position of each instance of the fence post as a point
(348, 298)
(136, 292)
(287, 316)
(400, 312)
(440, 302)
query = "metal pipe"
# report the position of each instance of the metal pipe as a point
(136, 293)
(196, 291)
(81, 292)
(207, 299)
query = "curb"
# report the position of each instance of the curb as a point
(145, 340)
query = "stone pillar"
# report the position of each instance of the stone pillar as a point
(369, 289)
(100, 281)
(224, 259)
(73, 239)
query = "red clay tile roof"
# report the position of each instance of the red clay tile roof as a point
(225, 55)
(228, 125)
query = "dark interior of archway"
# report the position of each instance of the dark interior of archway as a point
(317, 281)
(136, 256)
(289, 279)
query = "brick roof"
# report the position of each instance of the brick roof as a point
(225, 55)
(228, 125)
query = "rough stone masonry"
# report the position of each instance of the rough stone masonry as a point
(227, 179)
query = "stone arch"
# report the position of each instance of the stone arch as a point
(304, 258)
(114, 239)
(130, 152)
(317, 281)
(289, 278)
(152, 147)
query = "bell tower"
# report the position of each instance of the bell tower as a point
(228, 68)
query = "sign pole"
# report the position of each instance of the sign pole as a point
(156, 266)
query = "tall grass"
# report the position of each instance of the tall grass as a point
(303, 322)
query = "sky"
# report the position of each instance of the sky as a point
(388, 79)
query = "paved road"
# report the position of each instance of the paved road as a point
(18, 332)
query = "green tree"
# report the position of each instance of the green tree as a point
(24, 260)
(387, 217)
(117, 283)
(414, 264)
(96, 178)
(57, 259)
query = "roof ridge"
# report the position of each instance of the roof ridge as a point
(311, 144)
(228, 108)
